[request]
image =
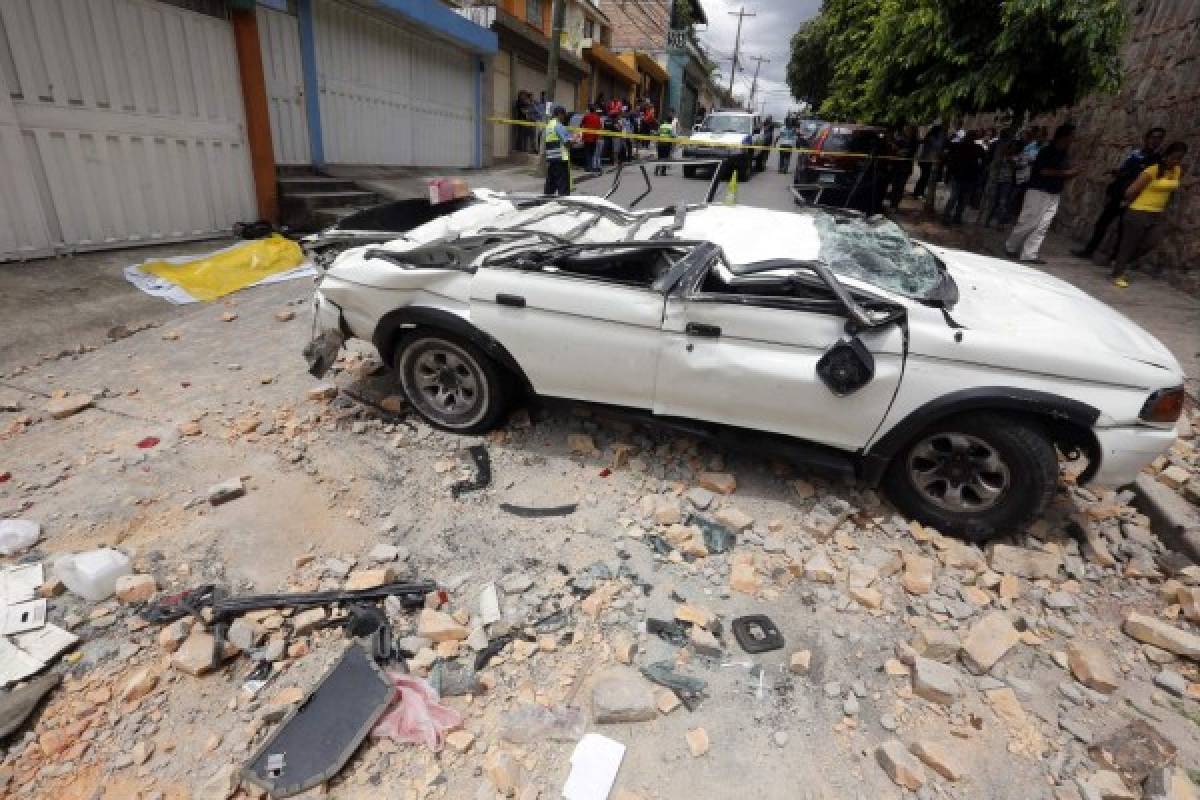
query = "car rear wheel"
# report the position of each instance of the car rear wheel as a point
(976, 475)
(451, 382)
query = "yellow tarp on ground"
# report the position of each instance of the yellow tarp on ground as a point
(228, 270)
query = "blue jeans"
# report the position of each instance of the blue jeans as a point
(596, 155)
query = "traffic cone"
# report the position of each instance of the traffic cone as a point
(731, 190)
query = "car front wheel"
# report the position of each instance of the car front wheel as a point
(451, 382)
(976, 475)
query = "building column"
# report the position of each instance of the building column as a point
(258, 119)
(308, 68)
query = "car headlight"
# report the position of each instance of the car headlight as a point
(1165, 405)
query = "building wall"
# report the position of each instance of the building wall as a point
(1160, 87)
(638, 25)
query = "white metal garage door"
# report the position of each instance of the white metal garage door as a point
(279, 39)
(121, 122)
(502, 104)
(390, 96)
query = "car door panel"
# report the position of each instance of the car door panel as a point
(759, 371)
(574, 337)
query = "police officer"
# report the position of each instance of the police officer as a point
(558, 154)
(666, 129)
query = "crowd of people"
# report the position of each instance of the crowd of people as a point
(1024, 176)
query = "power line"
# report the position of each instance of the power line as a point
(737, 41)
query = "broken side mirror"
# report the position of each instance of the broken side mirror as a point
(846, 367)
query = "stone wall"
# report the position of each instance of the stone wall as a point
(1161, 86)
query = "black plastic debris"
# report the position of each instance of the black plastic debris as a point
(658, 544)
(319, 736)
(585, 582)
(483, 472)
(688, 688)
(669, 631)
(756, 633)
(717, 538)
(531, 512)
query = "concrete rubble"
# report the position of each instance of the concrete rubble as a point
(913, 664)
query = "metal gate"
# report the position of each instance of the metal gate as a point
(279, 40)
(121, 122)
(391, 96)
(502, 104)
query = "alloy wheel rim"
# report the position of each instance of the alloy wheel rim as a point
(958, 472)
(447, 382)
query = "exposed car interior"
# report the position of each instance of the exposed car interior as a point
(631, 266)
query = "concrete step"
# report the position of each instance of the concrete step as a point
(290, 185)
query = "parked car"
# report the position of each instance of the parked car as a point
(722, 135)
(831, 177)
(953, 380)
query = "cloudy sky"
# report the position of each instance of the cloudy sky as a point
(766, 35)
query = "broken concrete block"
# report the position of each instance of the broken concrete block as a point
(939, 758)
(322, 391)
(174, 634)
(383, 553)
(935, 681)
(666, 512)
(1108, 785)
(900, 765)
(1162, 634)
(195, 655)
(868, 597)
(937, 644)
(624, 647)
(719, 482)
(68, 405)
(136, 588)
(140, 683)
(620, 695)
(799, 662)
(1023, 562)
(440, 627)
(306, 621)
(244, 634)
(695, 615)
(460, 741)
(369, 578)
(918, 574)
(987, 642)
(699, 497)
(1174, 476)
(820, 568)
(225, 491)
(743, 578)
(667, 701)
(734, 519)
(697, 742)
(1091, 666)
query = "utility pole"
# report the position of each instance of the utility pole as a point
(559, 21)
(754, 83)
(737, 41)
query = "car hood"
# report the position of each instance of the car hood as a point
(718, 138)
(1004, 297)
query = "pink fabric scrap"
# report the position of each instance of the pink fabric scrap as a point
(416, 715)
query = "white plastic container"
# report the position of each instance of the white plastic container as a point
(18, 535)
(93, 574)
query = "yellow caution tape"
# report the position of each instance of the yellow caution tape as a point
(225, 271)
(649, 137)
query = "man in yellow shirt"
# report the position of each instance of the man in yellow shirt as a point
(1147, 197)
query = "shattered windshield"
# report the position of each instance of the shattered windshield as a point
(877, 252)
(727, 123)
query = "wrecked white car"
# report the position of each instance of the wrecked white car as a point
(949, 378)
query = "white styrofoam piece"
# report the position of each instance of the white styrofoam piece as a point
(46, 643)
(594, 766)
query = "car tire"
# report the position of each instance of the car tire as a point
(450, 382)
(689, 172)
(976, 476)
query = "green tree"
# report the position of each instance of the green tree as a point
(898, 60)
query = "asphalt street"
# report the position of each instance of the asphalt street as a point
(767, 189)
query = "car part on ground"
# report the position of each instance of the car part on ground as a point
(483, 472)
(319, 735)
(756, 633)
(531, 512)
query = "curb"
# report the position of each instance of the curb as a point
(1174, 519)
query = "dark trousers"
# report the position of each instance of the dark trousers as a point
(1113, 210)
(961, 190)
(901, 171)
(785, 160)
(924, 168)
(558, 177)
(1138, 237)
(589, 153)
(664, 154)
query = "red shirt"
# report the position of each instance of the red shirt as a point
(591, 120)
